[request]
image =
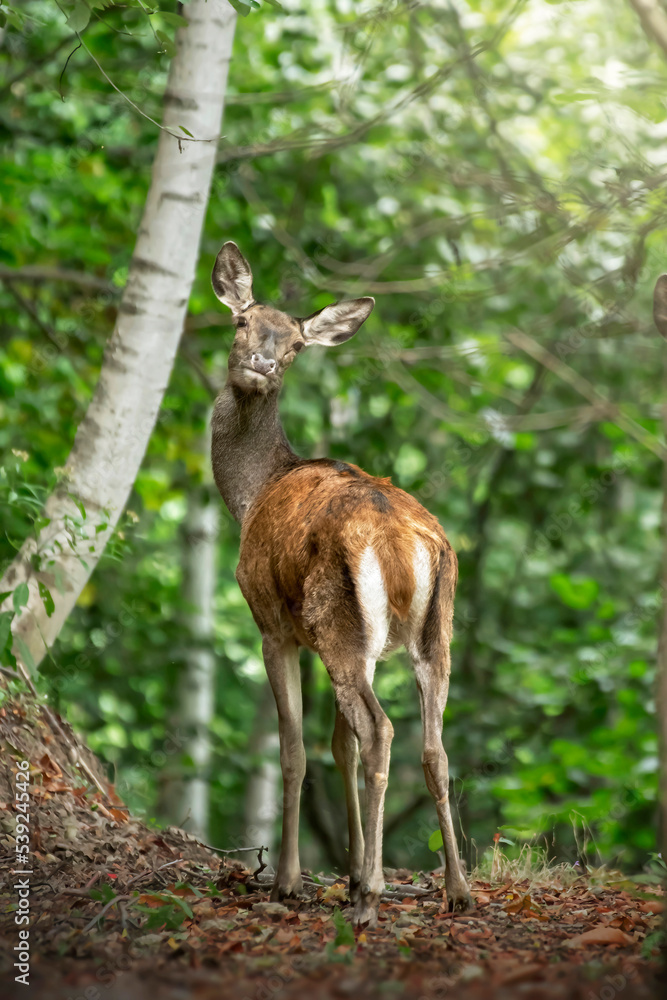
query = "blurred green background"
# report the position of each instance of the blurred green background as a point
(481, 168)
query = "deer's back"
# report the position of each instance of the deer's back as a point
(328, 548)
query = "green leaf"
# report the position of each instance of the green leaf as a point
(176, 19)
(21, 597)
(168, 916)
(79, 17)
(576, 593)
(187, 131)
(241, 7)
(435, 841)
(184, 906)
(344, 930)
(104, 894)
(5, 630)
(45, 594)
(79, 505)
(167, 42)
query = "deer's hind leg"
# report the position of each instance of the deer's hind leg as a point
(345, 749)
(371, 727)
(348, 638)
(433, 685)
(429, 652)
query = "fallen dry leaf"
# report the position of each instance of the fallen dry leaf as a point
(600, 935)
(651, 906)
(336, 893)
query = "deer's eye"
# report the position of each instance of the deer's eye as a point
(299, 346)
(241, 322)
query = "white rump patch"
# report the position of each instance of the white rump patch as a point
(373, 600)
(423, 570)
(421, 563)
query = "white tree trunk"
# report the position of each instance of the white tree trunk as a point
(185, 793)
(262, 804)
(112, 438)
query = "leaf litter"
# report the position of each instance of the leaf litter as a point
(120, 910)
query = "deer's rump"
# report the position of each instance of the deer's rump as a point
(351, 561)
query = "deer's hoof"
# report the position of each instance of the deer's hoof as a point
(365, 913)
(459, 901)
(287, 889)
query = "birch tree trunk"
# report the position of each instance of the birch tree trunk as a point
(262, 804)
(112, 438)
(185, 791)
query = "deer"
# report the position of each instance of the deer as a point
(338, 561)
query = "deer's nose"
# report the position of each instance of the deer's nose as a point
(265, 366)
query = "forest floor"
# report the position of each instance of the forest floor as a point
(120, 910)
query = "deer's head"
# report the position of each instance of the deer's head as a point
(267, 340)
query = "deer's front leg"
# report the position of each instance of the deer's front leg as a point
(281, 660)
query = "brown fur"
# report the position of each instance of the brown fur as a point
(306, 530)
(325, 513)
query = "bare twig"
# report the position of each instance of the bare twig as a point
(33, 65)
(12, 674)
(163, 128)
(232, 850)
(153, 871)
(112, 902)
(29, 308)
(239, 850)
(588, 391)
(36, 274)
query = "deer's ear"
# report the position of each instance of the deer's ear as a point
(232, 278)
(337, 323)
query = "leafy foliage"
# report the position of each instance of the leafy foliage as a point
(481, 169)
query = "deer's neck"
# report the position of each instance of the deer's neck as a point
(248, 445)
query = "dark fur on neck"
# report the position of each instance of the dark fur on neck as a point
(248, 445)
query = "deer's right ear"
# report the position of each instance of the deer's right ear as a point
(232, 279)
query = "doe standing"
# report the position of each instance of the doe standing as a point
(338, 561)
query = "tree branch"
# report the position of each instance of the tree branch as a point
(653, 20)
(588, 391)
(37, 274)
(29, 308)
(36, 64)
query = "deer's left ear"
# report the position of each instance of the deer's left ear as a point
(232, 278)
(337, 323)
